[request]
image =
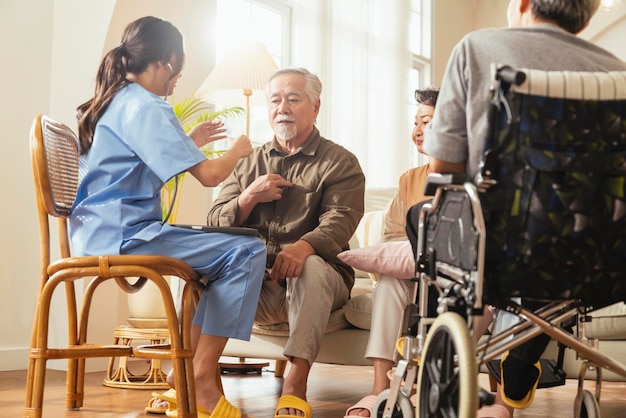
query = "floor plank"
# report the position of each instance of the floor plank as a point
(332, 389)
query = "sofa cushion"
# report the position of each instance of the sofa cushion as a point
(609, 323)
(369, 229)
(336, 322)
(394, 259)
(369, 232)
(358, 311)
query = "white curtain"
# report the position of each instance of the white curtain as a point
(358, 48)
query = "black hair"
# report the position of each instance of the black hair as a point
(146, 40)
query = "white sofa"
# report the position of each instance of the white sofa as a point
(348, 329)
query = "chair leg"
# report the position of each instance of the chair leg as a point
(183, 377)
(279, 370)
(183, 362)
(35, 387)
(75, 384)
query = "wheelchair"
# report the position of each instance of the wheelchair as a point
(540, 233)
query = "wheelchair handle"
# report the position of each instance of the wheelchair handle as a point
(510, 76)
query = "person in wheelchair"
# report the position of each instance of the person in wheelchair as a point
(392, 294)
(541, 35)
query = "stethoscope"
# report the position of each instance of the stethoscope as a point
(173, 200)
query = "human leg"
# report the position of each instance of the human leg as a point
(389, 299)
(233, 267)
(205, 368)
(312, 296)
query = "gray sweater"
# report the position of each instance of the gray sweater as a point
(459, 127)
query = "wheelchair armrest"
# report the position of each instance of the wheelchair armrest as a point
(436, 180)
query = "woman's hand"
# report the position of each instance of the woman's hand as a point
(209, 131)
(241, 146)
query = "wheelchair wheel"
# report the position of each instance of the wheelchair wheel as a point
(589, 407)
(403, 407)
(446, 381)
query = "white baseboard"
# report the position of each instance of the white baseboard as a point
(14, 358)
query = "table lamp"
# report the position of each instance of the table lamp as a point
(243, 70)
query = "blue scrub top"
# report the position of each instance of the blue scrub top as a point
(138, 145)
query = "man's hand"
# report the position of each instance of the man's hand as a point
(290, 260)
(266, 188)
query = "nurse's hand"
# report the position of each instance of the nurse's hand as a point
(209, 131)
(241, 146)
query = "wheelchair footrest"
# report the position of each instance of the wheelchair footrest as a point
(551, 374)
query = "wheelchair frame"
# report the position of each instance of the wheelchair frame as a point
(440, 355)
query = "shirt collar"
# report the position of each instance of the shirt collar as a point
(308, 148)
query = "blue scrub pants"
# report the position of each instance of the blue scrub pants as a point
(233, 266)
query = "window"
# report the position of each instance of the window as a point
(370, 55)
(264, 21)
(419, 43)
(239, 21)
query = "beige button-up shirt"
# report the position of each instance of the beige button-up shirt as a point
(323, 207)
(410, 191)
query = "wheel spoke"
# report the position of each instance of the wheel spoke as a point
(448, 371)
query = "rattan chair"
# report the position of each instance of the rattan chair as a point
(54, 155)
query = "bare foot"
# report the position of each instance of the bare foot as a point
(359, 412)
(295, 385)
(292, 411)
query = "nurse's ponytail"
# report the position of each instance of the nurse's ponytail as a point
(146, 40)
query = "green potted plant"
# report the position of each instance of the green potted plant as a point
(190, 112)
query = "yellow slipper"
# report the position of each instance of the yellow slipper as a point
(223, 409)
(168, 396)
(293, 402)
(517, 367)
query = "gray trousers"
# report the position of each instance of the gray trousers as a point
(305, 304)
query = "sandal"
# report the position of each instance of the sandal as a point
(169, 397)
(292, 402)
(223, 409)
(366, 402)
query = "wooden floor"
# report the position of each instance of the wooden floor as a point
(331, 390)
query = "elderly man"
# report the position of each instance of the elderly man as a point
(541, 35)
(304, 194)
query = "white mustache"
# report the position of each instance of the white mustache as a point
(283, 119)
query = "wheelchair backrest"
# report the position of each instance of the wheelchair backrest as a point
(556, 212)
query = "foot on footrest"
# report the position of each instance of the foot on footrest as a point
(551, 374)
(519, 381)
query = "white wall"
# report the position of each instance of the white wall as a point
(51, 50)
(607, 29)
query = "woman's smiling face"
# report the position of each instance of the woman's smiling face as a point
(422, 117)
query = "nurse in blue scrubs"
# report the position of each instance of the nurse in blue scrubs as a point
(131, 144)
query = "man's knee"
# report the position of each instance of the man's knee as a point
(313, 273)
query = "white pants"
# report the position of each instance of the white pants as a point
(389, 299)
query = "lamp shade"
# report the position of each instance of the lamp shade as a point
(244, 68)
(609, 5)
